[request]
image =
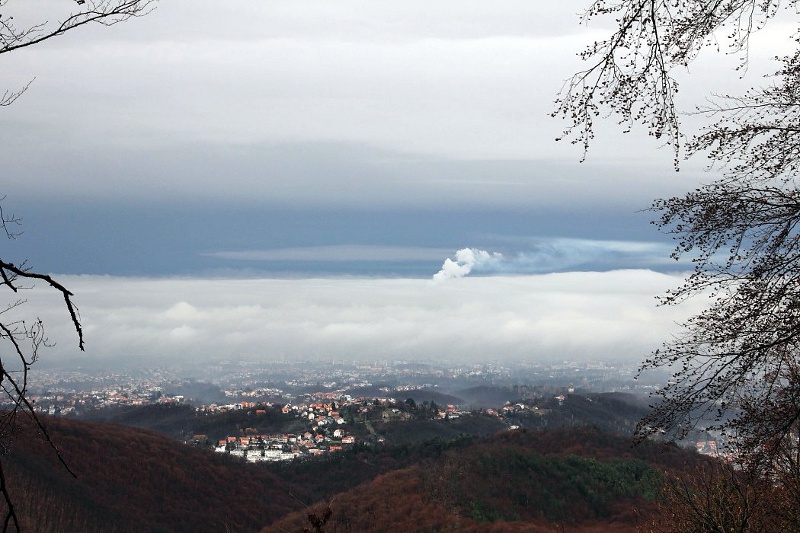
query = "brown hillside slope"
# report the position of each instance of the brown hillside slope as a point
(135, 480)
(398, 501)
(576, 480)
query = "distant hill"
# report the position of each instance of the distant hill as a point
(483, 396)
(428, 395)
(403, 433)
(173, 420)
(613, 412)
(181, 421)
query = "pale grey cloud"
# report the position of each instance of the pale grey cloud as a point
(201, 99)
(335, 253)
(327, 174)
(218, 101)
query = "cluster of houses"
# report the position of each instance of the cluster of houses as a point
(68, 403)
(707, 447)
(324, 435)
(284, 446)
(317, 413)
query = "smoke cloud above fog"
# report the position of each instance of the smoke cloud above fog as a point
(556, 255)
(466, 260)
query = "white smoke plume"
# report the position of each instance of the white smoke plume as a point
(559, 255)
(467, 260)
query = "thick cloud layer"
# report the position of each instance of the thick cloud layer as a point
(563, 316)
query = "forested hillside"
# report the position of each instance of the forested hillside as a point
(584, 480)
(136, 480)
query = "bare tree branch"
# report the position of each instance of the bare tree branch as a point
(736, 365)
(24, 340)
(104, 12)
(629, 74)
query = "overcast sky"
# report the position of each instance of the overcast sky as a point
(359, 142)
